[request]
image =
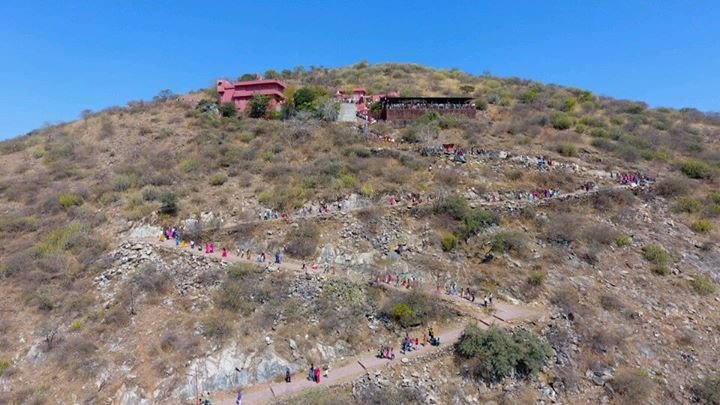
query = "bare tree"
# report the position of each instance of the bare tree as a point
(50, 334)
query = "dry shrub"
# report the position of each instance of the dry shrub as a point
(600, 233)
(607, 200)
(447, 178)
(556, 179)
(685, 337)
(611, 302)
(77, 353)
(117, 316)
(376, 395)
(634, 386)
(567, 299)
(216, 326)
(673, 187)
(563, 228)
(302, 242)
(150, 279)
(604, 339)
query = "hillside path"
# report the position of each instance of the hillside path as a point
(502, 314)
(505, 313)
(478, 202)
(363, 364)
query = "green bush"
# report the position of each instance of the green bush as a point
(715, 197)
(536, 278)
(599, 133)
(708, 390)
(18, 224)
(402, 313)
(687, 204)
(188, 165)
(703, 284)
(122, 183)
(228, 110)
(702, 226)
(58, 240)
(569, 104)
(67, 200)
(257, 106)
(658, 256)
(475, 220)
(348, 180)
(455, 205)
(305, 98)
(449, 242)
(367, 190)
(508, 241)
(497, 354)
(76, 325)
(150, 193)
(562, 121)
(4, 365)
(697, 169)
(567, 149)
(623, 240)
(529, 96)
(218, 179)
(108, 197)
(411, 309)
(169, 203)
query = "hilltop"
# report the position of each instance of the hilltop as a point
(598, 216)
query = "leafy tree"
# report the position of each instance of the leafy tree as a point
(305, 97)
(467, 89)
(164, 95)
(697, 169)
(272, 74)
(228, 110)
(708, 389)
(529, 96)
(497, 354)
(258, 105)
(533, 352)
(569, 104)
(247, 76)
(169, 203)
(562, 121)
(449, 242)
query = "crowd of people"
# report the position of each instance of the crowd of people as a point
(419, 105)
(409, 344)
(631, 179)
(314, 374)
(404, 280)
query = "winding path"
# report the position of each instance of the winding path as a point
(503, 314)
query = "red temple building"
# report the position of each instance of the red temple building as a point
(239, 93)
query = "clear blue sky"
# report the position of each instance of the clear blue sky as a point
(60, 57)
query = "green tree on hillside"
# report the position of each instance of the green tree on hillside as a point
(305, 97)
(257, 106)
(247, 76)
(228, 110)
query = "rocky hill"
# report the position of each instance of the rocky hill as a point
(593, 220)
